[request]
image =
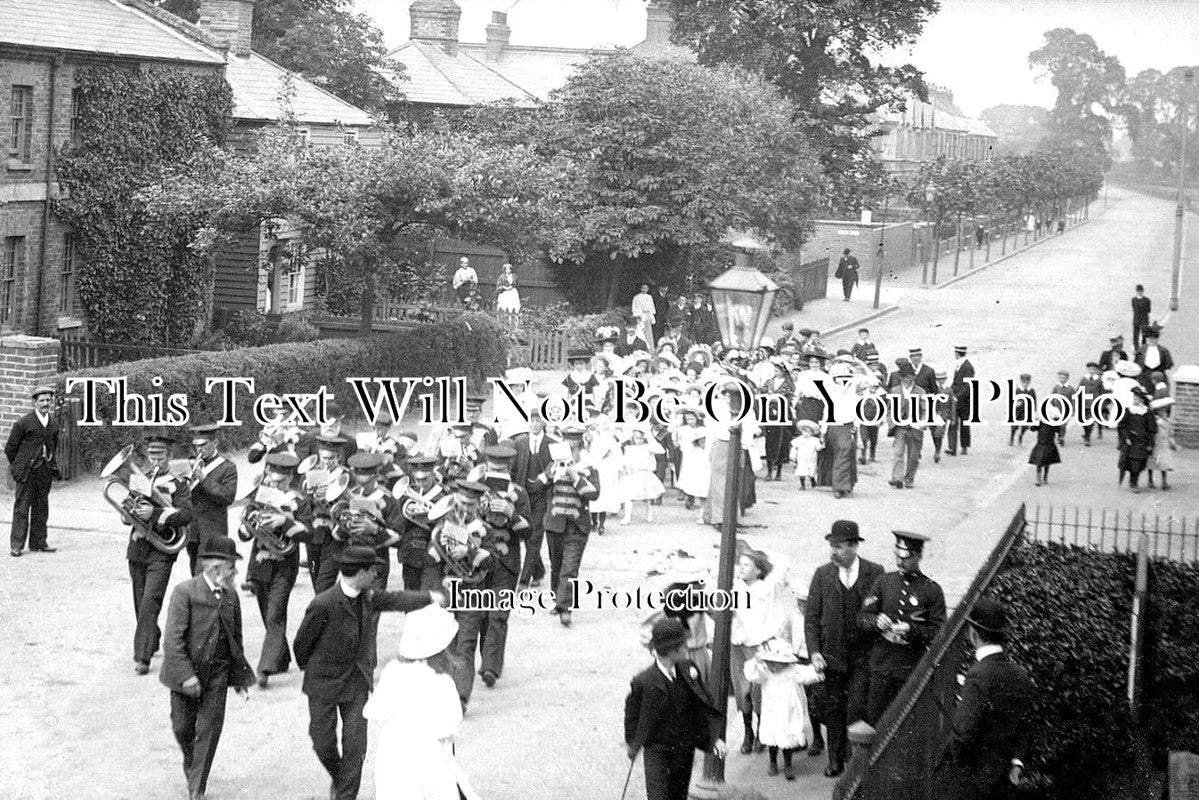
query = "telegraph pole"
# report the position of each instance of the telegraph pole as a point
(1184, 106)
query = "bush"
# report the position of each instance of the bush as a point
(471, 346)
(293, 328)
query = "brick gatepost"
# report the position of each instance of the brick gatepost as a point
(25, 363)
(1186, 406)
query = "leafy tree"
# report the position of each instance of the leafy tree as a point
(819, 55)
(1020, 128)
(326, 42)
(672, 155)
(1089, 84)
(370, 214)
(1153, 103)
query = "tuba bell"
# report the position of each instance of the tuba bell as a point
(122, 472)
(253, 527)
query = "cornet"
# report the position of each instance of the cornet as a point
(121, 470)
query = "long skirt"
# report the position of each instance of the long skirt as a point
(842, 444)
(748, 494)
(824, 467)
(778, 443)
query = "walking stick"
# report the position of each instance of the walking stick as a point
(625, 791)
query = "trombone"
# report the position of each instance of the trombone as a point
(122, 470)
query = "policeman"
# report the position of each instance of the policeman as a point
(416, 495)
(276, 517)
(149, 567)
(903, 610)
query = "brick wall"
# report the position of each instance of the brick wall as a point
(1186, 406)
(25, 362)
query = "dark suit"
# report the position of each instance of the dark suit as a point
(958, 429)
(661, 309)
(335, 646)
(831, 629)
(30, 450)
(669, 719)
(1140, 319)
(150, 572)
(990, 729)
(625, 348)
(527, 466)
(1108, 358)
(210, 501)
(203, 640)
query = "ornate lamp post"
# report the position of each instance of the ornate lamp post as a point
(743, 298)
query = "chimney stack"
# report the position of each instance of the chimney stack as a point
(435, 22)
(230, 22)
(498, 34)
(658, 22)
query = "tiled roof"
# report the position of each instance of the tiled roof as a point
(96, 26)
(436, 77)
(929, 115)
(258, 86)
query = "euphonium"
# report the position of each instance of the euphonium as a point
(346, 518)
(120, 471)
(253, 526)
(457, 539)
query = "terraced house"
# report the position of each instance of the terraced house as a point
(42, 44)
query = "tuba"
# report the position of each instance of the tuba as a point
(253, 527)
(457, 540)
(345, 512)
(122, 472)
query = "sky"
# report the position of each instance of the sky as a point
(977, 48)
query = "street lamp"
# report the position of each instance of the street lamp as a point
(743, 298)
(1176, 271)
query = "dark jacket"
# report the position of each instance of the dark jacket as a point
(30, 445)
(1165, 363)
(912, 598)
(626, 348)
(210, 501)
(647, 706)
(1137, 433)
(177, 515)
(1108, 358)
(961, 389)
(1140, 308)
(527, 467)
(587, 486)
(337, 657)
(831, 624)
(990, 728)
(190, 641)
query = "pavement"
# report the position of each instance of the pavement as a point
(81, 724)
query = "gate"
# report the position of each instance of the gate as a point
(811, 280)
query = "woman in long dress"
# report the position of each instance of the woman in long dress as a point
(643, 309)
(417, 714)
(1163, 442)
(1137, 429)
(507, 296)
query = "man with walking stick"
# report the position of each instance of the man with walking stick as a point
(669, 713)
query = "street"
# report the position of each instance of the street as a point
(552, 727)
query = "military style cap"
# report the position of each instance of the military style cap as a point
(472, 489)
(160, 439)
(206, 430)
(475, 401)
(365, 461)
(1092, 365)
(421, 464)
(499, 452)
(572, 431)
(912, 541)
(329, 442)
(284, 461)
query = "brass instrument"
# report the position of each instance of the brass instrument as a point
(457, 540)
(348, 516)
(254, 527)
(121, 470)
(319, 483)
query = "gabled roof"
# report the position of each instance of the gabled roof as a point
(934, 116)
(259, 86)
(435, 77)
(106, 27)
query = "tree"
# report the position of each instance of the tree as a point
(672, 155)
(1089, 86)
(327, 43)
(1153, 103)
(818, 54)
(1020, 128)
(370, 214)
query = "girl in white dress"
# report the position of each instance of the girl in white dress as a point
(804, 450)
(783, 721)
(601, 452)
(638, 483)
(417, 714)
(507, 296)
(694, 470)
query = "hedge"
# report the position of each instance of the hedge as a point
(1070, 610)
(471, 346)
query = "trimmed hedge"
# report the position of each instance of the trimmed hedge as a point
(471, 346)
(1070, 611)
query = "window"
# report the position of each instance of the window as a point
(11, 268)
(75, 116)
(291, 283)
(66, 277)
(305, 136)
(20, 136)
(350, 137)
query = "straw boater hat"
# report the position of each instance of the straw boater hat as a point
(1128, 369)
(778, 651)
(427, 631)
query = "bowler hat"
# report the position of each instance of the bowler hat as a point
(905, 370)
(988, 615)
(844, 530)
(358, 556)
(427, 631)
(667, 634)
(220, 547)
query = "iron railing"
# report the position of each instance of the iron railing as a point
(75, 354)
(1107, 530)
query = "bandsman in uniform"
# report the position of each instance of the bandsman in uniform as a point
(212, 488)
(365, 515)
(903, 611)
(482, 434)
(505, 511)
(382, 442)
(274, 439)
(570, 489)
(277, 516)
(416, 496)
(308, 443)
(150, 567)
(330, 464)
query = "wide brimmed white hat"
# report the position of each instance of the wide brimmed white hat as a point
(1128, 369)
(777, 650)
(427, 631)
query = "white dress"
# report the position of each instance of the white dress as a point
(695, 473)
(417, 713)
(638, 481)
(508, 297)
(604, 457)
(804, 450)
(1163, 457)
(783, 718)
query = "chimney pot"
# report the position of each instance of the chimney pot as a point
(230, 22)
(498, 35)
(435, 22)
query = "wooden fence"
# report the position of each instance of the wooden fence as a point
(77, 354)
(547, 350)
